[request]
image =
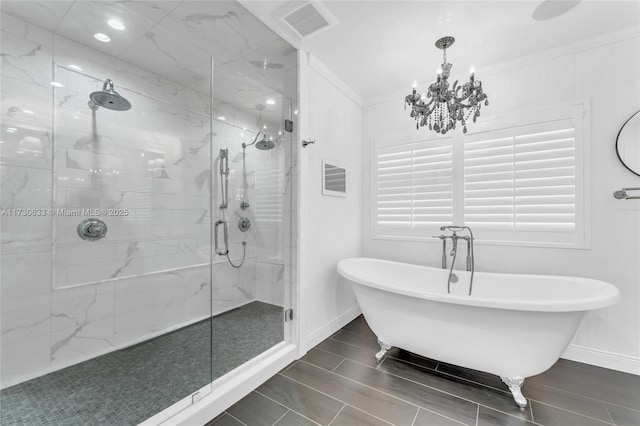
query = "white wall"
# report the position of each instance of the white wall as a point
(604, 72)
(329, 227)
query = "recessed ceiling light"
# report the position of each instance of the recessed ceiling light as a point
(221, 118)
(550, 9)
(56, 84)
(75, 67)
(295, 112)
(116, 24)
(27, 111)
(102, 37)
(11, 129)
(271, 102)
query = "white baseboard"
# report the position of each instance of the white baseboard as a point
(330, 328)
(605, 359)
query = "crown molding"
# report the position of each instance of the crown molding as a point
(327, 73)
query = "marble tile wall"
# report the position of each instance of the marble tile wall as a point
(26, 173)
(65, 300)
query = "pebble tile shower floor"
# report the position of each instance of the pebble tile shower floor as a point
(338, 383)
(128, 386)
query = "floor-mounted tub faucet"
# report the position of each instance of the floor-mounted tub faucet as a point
(470, 264)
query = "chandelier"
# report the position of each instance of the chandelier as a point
(445, 107)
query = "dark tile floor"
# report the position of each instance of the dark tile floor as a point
(128, 386)
(339, 383)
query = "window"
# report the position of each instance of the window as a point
(517, 179)
(414, 186)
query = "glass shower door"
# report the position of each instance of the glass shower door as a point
(252, 129)
(114, 325)
(144, 172)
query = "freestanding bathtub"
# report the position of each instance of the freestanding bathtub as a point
(514, 326)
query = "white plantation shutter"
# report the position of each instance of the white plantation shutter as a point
(545, 177)
(413, 187)
(518, 180)
(521, 178)
(489, 186)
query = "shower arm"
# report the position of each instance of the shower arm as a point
(107, 84)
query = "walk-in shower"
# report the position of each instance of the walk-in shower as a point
(121, 326)
(108, 98)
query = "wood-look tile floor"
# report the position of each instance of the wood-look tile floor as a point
(338, 383)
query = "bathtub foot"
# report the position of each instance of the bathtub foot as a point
(515, 386)
(383, 350)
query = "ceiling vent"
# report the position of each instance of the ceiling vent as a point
(307, 18)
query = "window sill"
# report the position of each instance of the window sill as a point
(482, 242)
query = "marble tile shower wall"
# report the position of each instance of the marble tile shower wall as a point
(65, 300)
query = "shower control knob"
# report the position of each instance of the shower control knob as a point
(244, 224)
(92, 229)
(244, 205)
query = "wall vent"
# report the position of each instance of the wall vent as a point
(308, 18)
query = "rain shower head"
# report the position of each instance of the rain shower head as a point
(262, 144)
(108, 98)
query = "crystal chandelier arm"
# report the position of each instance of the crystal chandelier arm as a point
(458, 98)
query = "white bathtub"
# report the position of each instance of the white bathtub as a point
(514, 326)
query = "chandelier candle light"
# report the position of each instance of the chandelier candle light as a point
(446, 106)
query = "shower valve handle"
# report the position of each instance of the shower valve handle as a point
(92, 229)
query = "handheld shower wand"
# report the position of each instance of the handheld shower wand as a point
(224, 204)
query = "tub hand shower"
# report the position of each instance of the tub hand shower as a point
(454, 252)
